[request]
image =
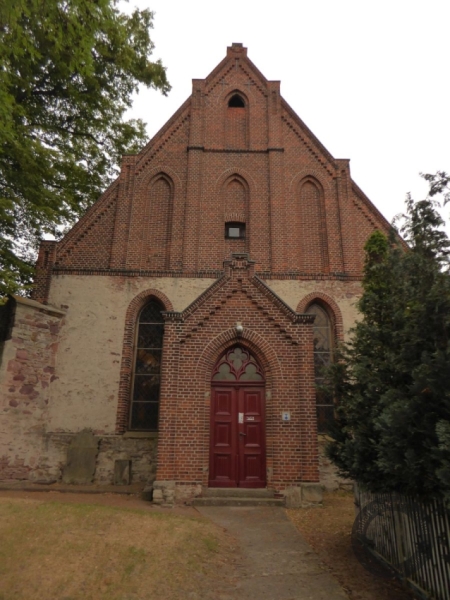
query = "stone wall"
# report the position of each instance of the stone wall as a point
(141, 451)
(33, 386)
(27, 374)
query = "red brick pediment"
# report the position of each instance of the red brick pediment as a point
(239, 292)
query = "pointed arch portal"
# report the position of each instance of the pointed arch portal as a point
(238, 444)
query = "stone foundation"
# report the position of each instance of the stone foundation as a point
(52, 457)
(304, 495)
(329, 478)
(169, 493)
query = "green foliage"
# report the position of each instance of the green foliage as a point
(69, 70)
(392, 380)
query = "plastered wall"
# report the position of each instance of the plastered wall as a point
(345, 294)
(85, 394)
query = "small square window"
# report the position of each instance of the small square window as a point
(235, 230)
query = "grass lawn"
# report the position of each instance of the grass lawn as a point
(63, 551)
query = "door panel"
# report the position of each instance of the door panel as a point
(237, 437)
(252, 460)
(223, 437)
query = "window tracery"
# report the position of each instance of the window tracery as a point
(237, 364)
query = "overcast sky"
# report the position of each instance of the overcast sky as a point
(370, 79)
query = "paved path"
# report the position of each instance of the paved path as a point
(276, 563)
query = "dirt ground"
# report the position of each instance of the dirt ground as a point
(328, 532)
(326, 529)
(115, 500)
(108, 547)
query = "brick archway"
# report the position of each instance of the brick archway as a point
(237, 420)
(263, 352)
(133, 310)
(330, 306)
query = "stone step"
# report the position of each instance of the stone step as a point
(237, 501)
(237, 493)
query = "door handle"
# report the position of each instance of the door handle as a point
(241, 433)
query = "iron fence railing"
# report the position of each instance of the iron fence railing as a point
(409, 534)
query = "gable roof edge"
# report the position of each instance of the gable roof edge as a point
(140, 156)
(308, 132)
(281, 304)
(370, 206)
(88, 216)
(210, 77)
(196, 304)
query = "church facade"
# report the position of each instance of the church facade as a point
(184, 320)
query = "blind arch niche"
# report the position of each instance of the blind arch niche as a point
(158, 223)
(311, 227)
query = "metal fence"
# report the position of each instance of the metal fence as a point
(410, 535)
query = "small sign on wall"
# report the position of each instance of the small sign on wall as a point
(241, 417)
(285, 415)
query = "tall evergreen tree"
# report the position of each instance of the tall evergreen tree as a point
(68, 72)
(392, 380)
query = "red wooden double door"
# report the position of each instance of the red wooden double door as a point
(238, 457)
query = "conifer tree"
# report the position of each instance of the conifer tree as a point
(392, 381)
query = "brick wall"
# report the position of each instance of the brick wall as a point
(281, 341)
(163, 221)
(304, 215)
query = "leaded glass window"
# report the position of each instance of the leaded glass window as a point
(147, 368)
(323, 356)
(237, 365)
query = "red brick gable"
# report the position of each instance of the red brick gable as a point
(280, 339)
(302, 214)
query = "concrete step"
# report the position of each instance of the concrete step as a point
(237, 493)
(237, 501)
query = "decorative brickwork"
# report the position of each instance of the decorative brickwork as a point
(303, 215)
(281, 342)
(330, 306)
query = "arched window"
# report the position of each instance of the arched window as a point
(235, 204)
(323, 356)
(236, 125)
(236, 101)
(147, 368)
(237, 364)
